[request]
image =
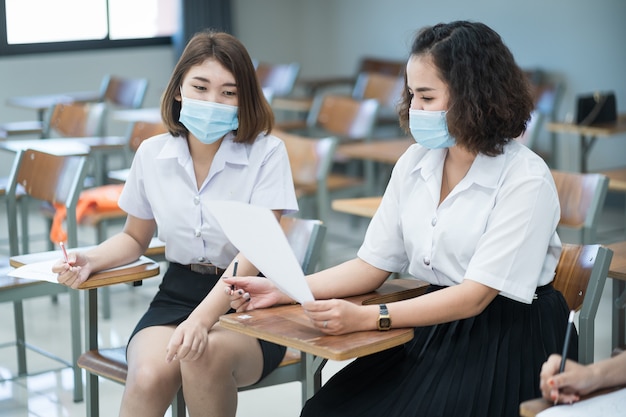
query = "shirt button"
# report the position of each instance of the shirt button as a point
(433, 222)
(201, 259)
(426, 260)
(196, 200)
(197, 233)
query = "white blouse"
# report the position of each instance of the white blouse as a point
(162, 186)
(496, 227)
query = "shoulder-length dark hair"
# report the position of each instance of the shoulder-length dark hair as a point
(255, 114)
(489, 95)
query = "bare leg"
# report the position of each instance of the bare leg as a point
(152, 383)
(210, 383)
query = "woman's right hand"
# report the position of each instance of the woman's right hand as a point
(249, 293)
(73, 272)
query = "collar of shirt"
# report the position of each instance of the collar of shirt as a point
(229, 151)
(485, 170)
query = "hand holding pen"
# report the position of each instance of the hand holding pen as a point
(554, 391)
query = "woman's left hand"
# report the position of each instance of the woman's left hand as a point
(337, 316)
(188, 341)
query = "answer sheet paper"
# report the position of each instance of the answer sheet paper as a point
(42, 271)
(256, 233)
(607, 405)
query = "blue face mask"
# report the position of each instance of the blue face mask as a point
(208, 121)
(430, 129)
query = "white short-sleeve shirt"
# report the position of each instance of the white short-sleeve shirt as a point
(496, 227)
(162, 186)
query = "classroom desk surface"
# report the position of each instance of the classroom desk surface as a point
(41, 103)
(535, 406)
(289, 326)
(385, 151)
(588, 134)
(362, 206)
(144, 114)
(97, 147)
(99, 279)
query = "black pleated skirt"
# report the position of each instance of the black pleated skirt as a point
(179, 294)
(482, 366)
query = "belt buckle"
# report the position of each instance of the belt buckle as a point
(204, 269)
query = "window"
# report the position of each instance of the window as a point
(33, 26)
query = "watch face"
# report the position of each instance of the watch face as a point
(384, 323)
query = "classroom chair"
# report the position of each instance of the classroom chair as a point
(311, 160)
(39, 176)
(582, 198)
(305, 237)
(580, 276)
(280, 79)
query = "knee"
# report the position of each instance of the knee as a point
(151, 380)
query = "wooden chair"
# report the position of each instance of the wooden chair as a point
(580, 276)
(139, 132)
(305, 237)
(123, 92)
(311, 160)
(75, 120)
(387, 89)
(582, 197)
(278, 78)
(49, 178)
(116, 91)
(547, 98)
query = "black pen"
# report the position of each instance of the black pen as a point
(568, 336)
(232, 287)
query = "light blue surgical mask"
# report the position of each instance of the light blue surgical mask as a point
(430, 129)
(206, 120)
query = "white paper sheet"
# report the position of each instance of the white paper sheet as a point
(256, 233)
(608, 405)
(42, 271)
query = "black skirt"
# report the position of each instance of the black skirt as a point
(179, 294)
(482, 366)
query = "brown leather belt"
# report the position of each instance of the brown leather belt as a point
(204, 269)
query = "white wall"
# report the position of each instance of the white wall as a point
(580, 41)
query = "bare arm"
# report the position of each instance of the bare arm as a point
(578, 380)
(119, 249)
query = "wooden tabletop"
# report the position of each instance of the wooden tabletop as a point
(289, 326)
(617, 270)
(533, 407)
(68, 146)
(99, 279)
(602, 129)
(386, 151)
(44, 101)
(144, 114)
(363, 206)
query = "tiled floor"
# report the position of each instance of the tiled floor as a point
(49, 393)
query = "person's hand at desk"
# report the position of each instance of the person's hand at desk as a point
(331, 316)
(579, 380)
(73, 270)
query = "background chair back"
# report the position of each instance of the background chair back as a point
(580, 276)
(75, 120)
(49, 178)
(344, 116)
(127, 93)
(387, 89)
(279, 79)
(582, 197)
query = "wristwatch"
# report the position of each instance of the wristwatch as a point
(384, 320)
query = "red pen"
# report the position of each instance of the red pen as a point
(67, 261)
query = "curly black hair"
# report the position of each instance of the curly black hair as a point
(490, 99)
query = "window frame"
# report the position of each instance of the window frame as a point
(69, 46)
